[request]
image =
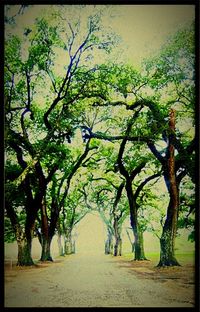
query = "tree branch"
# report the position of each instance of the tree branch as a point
(28, 90)
(140, 187)
(73, 170)
(156, 153)
(137, 170)
(118, 196)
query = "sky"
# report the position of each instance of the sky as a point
(142, 28)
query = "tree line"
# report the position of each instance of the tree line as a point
(84, 133)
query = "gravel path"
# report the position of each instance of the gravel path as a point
(87, 280)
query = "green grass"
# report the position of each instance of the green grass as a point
(152, 256)
(183, 258)
(184, 249)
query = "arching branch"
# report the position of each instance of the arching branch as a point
(141, 186)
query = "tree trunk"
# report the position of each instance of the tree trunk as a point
(139, 249)
(60, 246)
(167, 257)
(45, 236)
(139, 254)
(167, 240)
(118, 247)
(131, 242)
(24, 241)
(141, 239)
(24, 251)
(68, 242)
(46, 249)
(24, 244)
(73, 247)
(59, 240)
(109, 243)
(118, 241)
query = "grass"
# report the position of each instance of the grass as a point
(183, 258)
(184, 249)
(186, 258)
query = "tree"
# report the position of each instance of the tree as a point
(33, 129)
(173, 86)
(47, 104)
(132, 196)
(116, 214)
(117, 217)
(99, 199)
(178, 81)
(74, 212)
(173, 175)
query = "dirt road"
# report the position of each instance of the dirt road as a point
(90, 280)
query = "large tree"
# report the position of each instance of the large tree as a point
(163, 101)
(42, 105)
(56, 86)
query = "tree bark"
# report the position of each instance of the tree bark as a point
(167, 240)
(68, 247)
(45, 236)
(60, 246)
(46, 249)
(141, 239)
(129, 190)
(24, 244)
(59, 240)
(118, 246)
(118, 241)
(109, 243)
(134, 221)
(138, 234)
(131, 198)
(131, 242)
(73, 246)
(23, 237)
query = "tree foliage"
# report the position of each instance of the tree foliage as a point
(81, 129)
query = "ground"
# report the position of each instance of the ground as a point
(98, 280)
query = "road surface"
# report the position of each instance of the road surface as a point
(88, 280)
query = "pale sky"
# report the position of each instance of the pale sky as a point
(143, 28)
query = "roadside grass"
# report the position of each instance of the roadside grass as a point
(184, 249)
(184, 258)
